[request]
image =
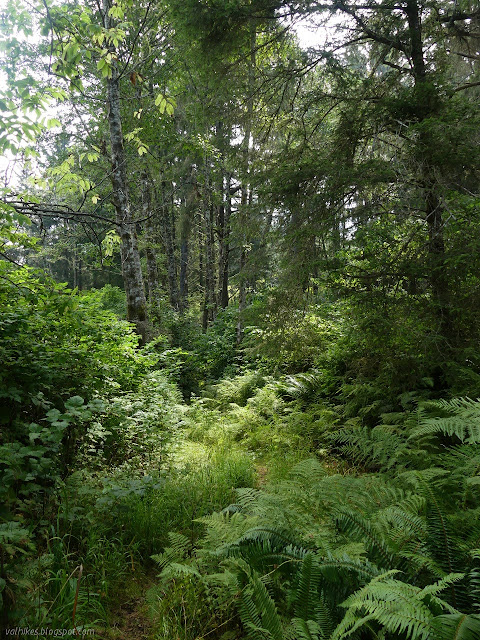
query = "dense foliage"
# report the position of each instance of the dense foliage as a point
(239, 287)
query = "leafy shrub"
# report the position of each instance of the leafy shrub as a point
(288, 338)
(111, 299)
(135, 428)
(199, 355)
(60, 344)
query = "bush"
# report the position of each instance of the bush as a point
(58, 344)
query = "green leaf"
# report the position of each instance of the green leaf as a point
(74, 401)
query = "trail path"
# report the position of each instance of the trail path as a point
(130, 619)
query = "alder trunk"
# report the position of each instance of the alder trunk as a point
(169, 242)
(131, 266)
(224, 215)
(150, 237)
(209, 303)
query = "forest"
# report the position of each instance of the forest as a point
(240, 319)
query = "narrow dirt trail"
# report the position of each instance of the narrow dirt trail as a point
(129, 618)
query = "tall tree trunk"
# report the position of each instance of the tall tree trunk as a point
(186, 223)
(245, 185)
(201, 256)
(150, 236)
(184, 272)
(209, 304)
(223, 219)
(242, 290)
(169, 242)
(224, 229)
(426, 97)
(74, 266)
(242, 296)
(80, 274)
(438, 274)
(131, 266)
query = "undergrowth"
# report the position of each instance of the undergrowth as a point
(391, 552)
(260, 510)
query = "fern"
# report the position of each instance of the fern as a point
(304, 386)
(394, 546)
(355, 524)
(456, 626)
(267, 549)
(440, 537)
(400, 608)
(381, 446)
(335, 571)
(306, 593)
(257, 610)
(224, 529)
(180, 570)
(462, 420)
(475, 579)
(180, 546)
(403, 526)
(308, 471)
(304, 630)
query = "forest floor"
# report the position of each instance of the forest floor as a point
(129, 618)
(132, 622)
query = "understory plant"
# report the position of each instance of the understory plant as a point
(392, 553)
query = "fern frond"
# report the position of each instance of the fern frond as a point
(356, 525)
(308, 471)
(304, 630)
(247, 495)
(381, 446)
(457, 626)
(257, 610)
(265, 549)
(224, 529)
(439, 536)
(303, 386)
(399, 607)
(276, 538)
(419, 561)
(180, 545)
(432, 590)
(324, 617)
(335, 569)
(462, 420)
(405, 524)
(474, 578)
(180, 570)
(306, 596)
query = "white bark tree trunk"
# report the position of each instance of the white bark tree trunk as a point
(131, 266)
